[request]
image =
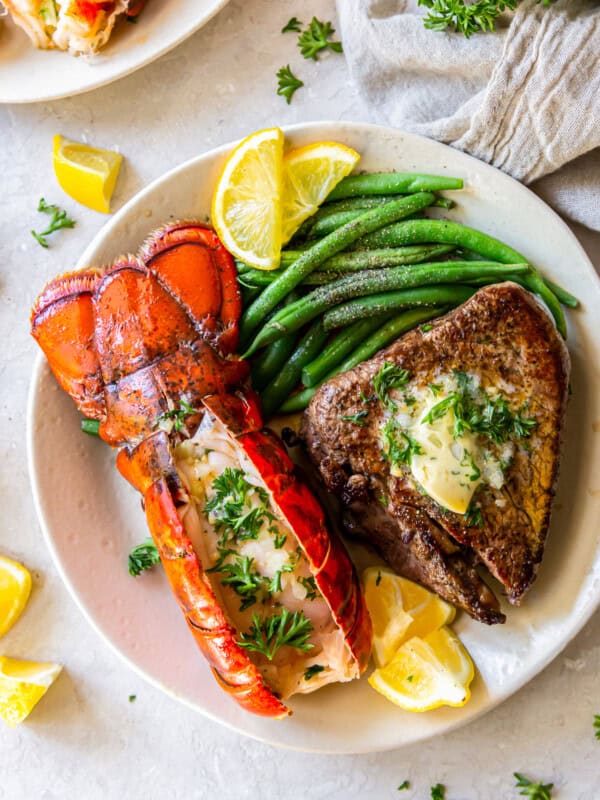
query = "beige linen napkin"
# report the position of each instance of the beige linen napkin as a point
(525, 98)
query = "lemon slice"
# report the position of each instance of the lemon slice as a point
(15, 587)
(310, 173)
(22, 685)
(427, 673)
(86, 173)
(399, 610)
(246, 205)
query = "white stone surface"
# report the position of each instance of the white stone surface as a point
(86, 740)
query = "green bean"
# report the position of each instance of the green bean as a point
(391, 183)
(331, 222)
(434, 230)
(377, 304)
(91, 426)
(373, 344)
(372, 281)
(564, 297)
(268, 364)
(282, 384)
(325, 248)
(339, 347)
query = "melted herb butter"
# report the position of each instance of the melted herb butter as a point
(453, 437)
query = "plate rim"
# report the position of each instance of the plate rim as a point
(584, 615)
(216, 6)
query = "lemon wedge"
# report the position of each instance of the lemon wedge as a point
(246, 204)
(427, 673)
(399, 610)
(310, 173)
(87, 174)
(15, 588)
(22, 685)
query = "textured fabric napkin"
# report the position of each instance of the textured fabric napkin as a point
(525, 98)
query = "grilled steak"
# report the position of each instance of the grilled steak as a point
(503, 347)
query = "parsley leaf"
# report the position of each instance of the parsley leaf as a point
(310, 672)
(230, 507)
(404, 785)
(293, 25)
(240, 576)
(399, 447)
(389, 377)
(288, 83)
(143, 556)
(535, 791)
(310, 587)
(473, 517)
(316, 38)
(268, 635)
(465, 18)
(438, 792)
(597, 725)
(58, 220)
(358, 419)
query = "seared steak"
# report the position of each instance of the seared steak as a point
(505, 349)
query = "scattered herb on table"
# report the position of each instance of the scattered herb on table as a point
(310, 672)
(597, 725)
(288, 83)
(58, 220)
(535, 791)
(268, 635)
(404, 785)
(317, 38)
(132, 698)
(143, 556)
(293, 25)
(438, 792)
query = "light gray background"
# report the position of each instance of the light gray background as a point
(85, 740)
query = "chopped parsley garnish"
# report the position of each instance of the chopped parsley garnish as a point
(535, 791)
(58, 220)
(425, 328)
(597, 725)
(410, 678)
(310, 587)
(399, 446)
(317, 38)
(473, 518)
(268, 635)
(143, 556)
(364, 399)
(287, 83)
(293, 25)
(478, 413)
(358, 419)
(378, 579)
(177, 415)
(389, 377)
(404, 785)
(132, 698)
(275, 583)
(279, 540)
(436, 389)
(438, 792)
(231, 511)
(310, 672)
(467, 461)
(240, 576)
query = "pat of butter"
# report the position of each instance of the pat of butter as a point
(447, 468)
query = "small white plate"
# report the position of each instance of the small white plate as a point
(91, 518)
(28, 75)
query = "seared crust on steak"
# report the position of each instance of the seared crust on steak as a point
(505, 337)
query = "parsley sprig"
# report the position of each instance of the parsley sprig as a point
(231, 510)
(293, 25)
(288, 83)
(284, 628)
(316, 38)
(58, 220)
(399, 446)
(535, 791)
(143, 556)
(467, 18)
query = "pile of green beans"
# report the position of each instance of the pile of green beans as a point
(364, 269)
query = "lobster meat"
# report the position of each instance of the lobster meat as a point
(146, 346)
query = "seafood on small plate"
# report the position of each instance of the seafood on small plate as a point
(80, 27)
(146, 347)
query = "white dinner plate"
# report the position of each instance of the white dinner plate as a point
(91, 517)
(28, 75)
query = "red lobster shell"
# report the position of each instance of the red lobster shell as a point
(130, 343)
